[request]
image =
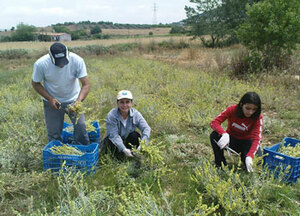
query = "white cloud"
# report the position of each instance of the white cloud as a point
(98, 8)
(17, 11)
(55, 11)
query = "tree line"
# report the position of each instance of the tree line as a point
(83, 30)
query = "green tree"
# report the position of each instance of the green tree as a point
(177, 30)
(217, 18)
(44, 37)
(203, 20)
(96, 30)
(24, 33)
(78, 34)
(271, 32)
(61, 29)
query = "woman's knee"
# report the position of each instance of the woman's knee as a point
(134, 135)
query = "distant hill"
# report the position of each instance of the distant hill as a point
(111, 25)
(87, 26)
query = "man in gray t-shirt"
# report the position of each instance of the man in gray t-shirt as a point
(57, 77)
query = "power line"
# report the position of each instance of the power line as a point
(154, 20)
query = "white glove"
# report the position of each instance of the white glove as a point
(249, 163)
(127, 152)
(223, 141)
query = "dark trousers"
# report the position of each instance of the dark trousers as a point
(240, 146)
(55, 120)
(132, 141)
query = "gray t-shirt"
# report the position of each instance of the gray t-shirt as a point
(60, 83)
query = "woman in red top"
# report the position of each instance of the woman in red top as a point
(243, 133)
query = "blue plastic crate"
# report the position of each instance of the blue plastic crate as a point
(94, 136)
(85, 163)
(277, 162)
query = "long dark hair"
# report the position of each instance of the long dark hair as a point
(250, 98)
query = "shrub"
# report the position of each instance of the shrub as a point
(271, 32)
(78, 34)
(239, 63)
(5, 38)
(173, 45)
(177, 30)
(13, 53)
(97, 36)
(96, 30)
(105, 36)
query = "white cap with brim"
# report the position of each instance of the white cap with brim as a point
(124, 94)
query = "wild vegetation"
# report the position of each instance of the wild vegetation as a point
(179, 88)
(269, 29)
(271, 33)
(39, 48)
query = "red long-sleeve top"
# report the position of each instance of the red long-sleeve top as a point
(240, 128)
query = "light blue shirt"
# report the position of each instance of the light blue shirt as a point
(60, 83)
(116, 131)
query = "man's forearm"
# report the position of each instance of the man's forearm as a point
(38, 87)
(84, 89)
(83, 93)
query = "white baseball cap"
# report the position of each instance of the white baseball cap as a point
(124, 94)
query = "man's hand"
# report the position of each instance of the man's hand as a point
(249, 163)
(70, 107)
(127, 152)
(224, 140)
(76, 107)
(55, 104)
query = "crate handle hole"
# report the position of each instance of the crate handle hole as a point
(278, 157)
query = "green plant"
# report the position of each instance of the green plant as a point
(96, 30)
(215, 21)
(228, 189)
(24, 33)
(177, 30)
(270, 33)
(178, 98)
(13, 53)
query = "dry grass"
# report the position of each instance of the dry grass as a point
(132, 32)
(205, 59)
(45, 45)
(129, 32)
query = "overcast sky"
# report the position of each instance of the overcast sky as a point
(42, 13)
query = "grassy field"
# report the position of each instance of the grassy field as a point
(110, 31)
(134, 32)
(45, 45)
(179, 92)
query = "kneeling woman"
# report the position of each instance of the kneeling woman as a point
(243, 133)
(121, 124)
